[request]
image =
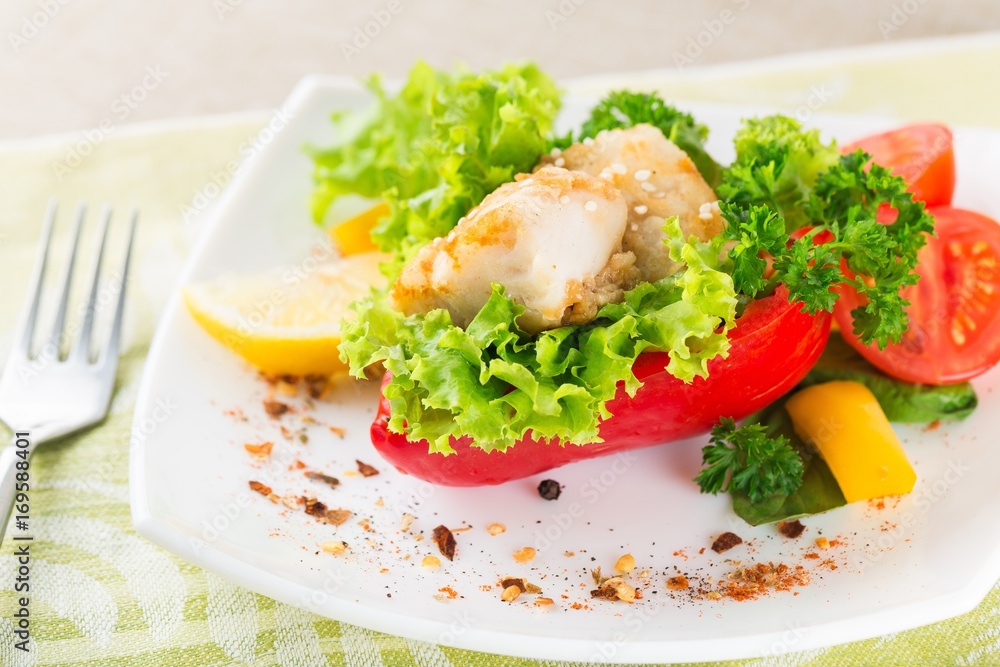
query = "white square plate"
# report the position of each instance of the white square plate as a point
(933, 556)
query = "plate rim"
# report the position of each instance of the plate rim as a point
(205, 556)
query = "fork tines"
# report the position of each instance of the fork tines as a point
(79, 351)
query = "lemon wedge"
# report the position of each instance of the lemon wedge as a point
(286, 321)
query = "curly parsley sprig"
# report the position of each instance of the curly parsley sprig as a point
(624, 109)
(880, 259)
(747, 460)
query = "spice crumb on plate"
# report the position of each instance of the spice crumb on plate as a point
(446, 593)
(275, 409)
(510, 593)
(338, 516)
(322, 477)
(334, 547)
(513, 581)
(262, 489)
(625, 564)
(262, 449)
(725, 542)
(791, 529)
(615, 588)
(445, 541)
(524, 555)
(365, 469)
(315, 508)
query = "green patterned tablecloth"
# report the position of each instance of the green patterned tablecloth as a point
(103, 596)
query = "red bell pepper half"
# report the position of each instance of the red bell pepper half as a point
(772, 347)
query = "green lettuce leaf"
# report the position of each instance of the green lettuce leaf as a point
(624, 109)
(901, 401)
(777, 164)
(436, 148)
(495, 383)
(818, 492)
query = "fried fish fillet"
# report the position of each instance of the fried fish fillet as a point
(553, 239)
(658, 180)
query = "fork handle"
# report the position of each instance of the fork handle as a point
(8, 479)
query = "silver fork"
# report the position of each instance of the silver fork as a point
(46, 396)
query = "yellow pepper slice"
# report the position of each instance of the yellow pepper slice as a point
(845, 423)
(354, 235)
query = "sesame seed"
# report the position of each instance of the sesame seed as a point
(591, 206)
(564, 199)
(619, 168)
(641, 209)
(555, 152)
(659, 195)
(625, 564)
(334, 547)
(526, 182)
(588, 142)
(560, 161)
(643, 174)
(606, 175)
(648, 187)
(634, 227)
(510, 593)
(705, 211)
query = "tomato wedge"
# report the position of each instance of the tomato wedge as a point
(954, 311)
(921, 154)
(773, 346)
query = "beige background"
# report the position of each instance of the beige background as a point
(65, 64)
